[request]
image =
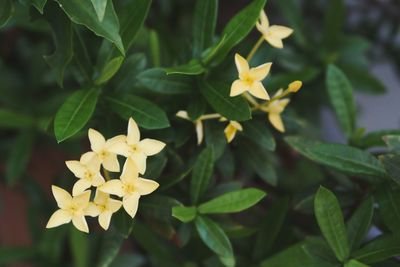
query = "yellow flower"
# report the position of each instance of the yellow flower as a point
(272, 34)
(274, 109)
(231, 129)
(104, 207)
(71, 208)
(130, 187)
(101, 147)
(250, 79)
(87, 169)
(132, 147)
(295, 86)
(198, 124)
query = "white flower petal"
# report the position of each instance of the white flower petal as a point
(113, 205)
(131, 204)
(182, 114)
(76, 168)
(58, 218)
(80, 186)
(257, 89)
(139, 159)
(80, 223)
(119, 148)
(241, 64)
(62, 197)
(133, 136)
(280, 32)
(113, 187)
(238, 87)
(199, 132)
(92, 210)
(151, 147)
(274, 41)
(145, 186)
(259, 73)
(87, 157)
(98, 180)
(130, 171)
(111, 163)
(104, 219)
(97, 140)
(276, 121)
(82, 200)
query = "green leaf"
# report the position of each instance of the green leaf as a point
(214, 237)
(39, 5)
(10, 255)
(79, 247)
(154, 46)
(158, 207)
(355, 263)
(333, 23)
(19, 157)
(83, 12)
(393, 142)
(235, 31)
(341, 96)
(318, 248)
(302, 144)
(205, 18)
(194, 67)
(359, 223)
(75, 113)
(217, 95)
(259, 133)
(6, 11)
(110, 246)
(201, 174)
(330, 220)
(13, 120)
(156, 80)
(382, 248)
(231, 202)
(145, 113)
(346, 158)
(100, 7)
(109, 70)
(374, 138)
(184, 214)
(62, 34)
(388, 197)
(391, 163)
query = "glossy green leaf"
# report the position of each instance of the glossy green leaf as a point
(217, 95)
(359, 223)
(330, 220)
(214, 237)
(355, 263)
(156, 80)
(374, 138)
(291, 10)
(201, 174)
(259, 133)
(318, 248)
(391, 163)
(6, 11)
(341, 96)
(184, 214)
(39, 5)
(379, 249)
(158, 207)
(231, 202)
(193, 67)
(205, 18)
(83, 12)
(388, 197)
(302, 144)
(13, 120)
(100, 7)
(145, 113)
(79, 247)
(75, 113)
(109, 248)
(109, 70)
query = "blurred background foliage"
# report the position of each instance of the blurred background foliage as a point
(45, 57)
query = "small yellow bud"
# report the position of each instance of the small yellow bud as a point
(295, 86)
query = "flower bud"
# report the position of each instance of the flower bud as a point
(295, 86)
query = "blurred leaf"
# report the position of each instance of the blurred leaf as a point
(100, 7)
(333, 23)
(393, 142)
(341, 96)
(81, 58)
(184, 214)
(6, 11)
(391, 163)
(388, 197)
(14, 120)
(128, 259)
(75, 113)
(10, 255)
(359, 223)
(79, 247)
(193, 67)
(154, 45)
(355, 263)
(39, 5)
(157, 81)
(217, 95)
(62, 35)
(259, 133)
(330, 220)
(363, 80)
(19, 157)
(110, 246)
(83, 12)
(123, 223)
(302, 144)
(374, 138)
(201, 174)
(145, 113)
(214, 237)
(318, 248)
(379, 249)
(231, 202)
(158, 207)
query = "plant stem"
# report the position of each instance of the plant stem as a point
(254, 49)
(210, 116)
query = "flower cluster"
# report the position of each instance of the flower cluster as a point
(88, 170)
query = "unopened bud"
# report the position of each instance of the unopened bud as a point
(295, 86)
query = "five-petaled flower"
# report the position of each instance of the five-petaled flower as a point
(250, 79)
(71, 208)
(130, 187)
(103, 206)
(272, 34)
(132, 147)
(274, 110)
(87, 169)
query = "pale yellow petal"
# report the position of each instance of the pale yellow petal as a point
(283, 103)
(87, 157)
(58, 218)
(237, 125)
(264, 19)
(280, 32)
(80, 223)
(114, 187)
(182, 114)
(76, 168)
(230, 133)
(238, 87)
(145, 186)
(62, 197)
(131, 204)
(80, 186)
(111, 163)
(94, 164)
(92, 210)
(199, 132)
(276, 121)
(139, 159)
(259, 73)
(130, 171)
(98, 180)
(274, 41)
(82, 200)
(101, 198)
(104, 219)
(257, 89)
(97, 140)
(133, 132)
(151, 146)
(119, 148)
(113, 205)
(241, 64)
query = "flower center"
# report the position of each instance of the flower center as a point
(88, 176)
(103, 154)
(134, 148)
(128, 188)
